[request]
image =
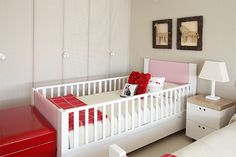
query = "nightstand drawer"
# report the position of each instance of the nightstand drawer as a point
(196, 130)
(203, 115)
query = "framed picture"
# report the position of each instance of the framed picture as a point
(162, 34)
(189, 33)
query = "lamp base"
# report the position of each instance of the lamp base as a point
(213, 97)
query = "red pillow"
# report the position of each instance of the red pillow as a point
(141, 80)
(133, 77)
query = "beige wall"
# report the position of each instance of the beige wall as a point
(219, 36)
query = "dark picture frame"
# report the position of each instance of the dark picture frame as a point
(187, 37)
(162, 39)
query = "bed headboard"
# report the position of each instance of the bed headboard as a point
(175, 72)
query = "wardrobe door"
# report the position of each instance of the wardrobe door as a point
(48, 40)
(16, 43)
(99, 37)
(120, 25)
(76, 21)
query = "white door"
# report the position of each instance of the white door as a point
(76, 22)
(16, 43)
(48, 40)
(99, 37)
(120, 25)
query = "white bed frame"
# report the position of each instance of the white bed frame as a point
(130, 139)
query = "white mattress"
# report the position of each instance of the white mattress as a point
(112, 96)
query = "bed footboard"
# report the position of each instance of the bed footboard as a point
(49, 111)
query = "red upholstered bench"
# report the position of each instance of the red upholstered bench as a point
(25, 132)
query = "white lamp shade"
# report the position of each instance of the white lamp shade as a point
(216, 71)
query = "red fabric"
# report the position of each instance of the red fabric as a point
(141, 80)
(168, 155)
(70, 101)
(133, 77)
(25, 132)
(66, 102)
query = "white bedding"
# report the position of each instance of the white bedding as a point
(112, 96)
(220, 143)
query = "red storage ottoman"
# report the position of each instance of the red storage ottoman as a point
(25, 132)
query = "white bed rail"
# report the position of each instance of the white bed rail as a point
(57, 117)
(140, 110)
(83, 88)
(118, 117)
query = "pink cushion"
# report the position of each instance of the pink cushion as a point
(175, 72)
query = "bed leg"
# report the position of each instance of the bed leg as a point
(116, 151)
(62, 133)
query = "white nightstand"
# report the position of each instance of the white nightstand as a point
(205, 116)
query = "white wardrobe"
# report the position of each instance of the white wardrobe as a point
(94, 33)
(34, 35)
(16, 29)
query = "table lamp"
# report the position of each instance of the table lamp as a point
(214, 71)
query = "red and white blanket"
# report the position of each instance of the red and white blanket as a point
(70, 101)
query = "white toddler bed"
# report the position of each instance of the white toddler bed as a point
(130, 122)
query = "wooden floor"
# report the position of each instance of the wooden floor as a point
(166, 145)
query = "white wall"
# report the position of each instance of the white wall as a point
(219, 35)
